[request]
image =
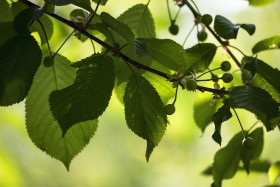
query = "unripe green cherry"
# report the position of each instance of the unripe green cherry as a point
(202, 36)
(173, 28)
(191, 85)
(48, 61)
(248, 143)
(227, 77)
(214, 77)
(225, 66)
(206, 19)
(169, 109)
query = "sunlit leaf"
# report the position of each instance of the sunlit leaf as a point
(42, 128)
(267, 44)
(266, 77)
(20, 58)
(274, 172)
(260, 2)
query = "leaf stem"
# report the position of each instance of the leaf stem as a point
(244, 134)
(208, 79)
(175, 95)
(188, 35)
(177, 13)
(45, 34)
(63, 43)
(94, 51)
(252, 126)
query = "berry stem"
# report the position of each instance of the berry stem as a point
(237, 49)
(188, 35)
(208, 72)
(63, 43)
(244, 134)
(252, 126)
(175, 95)
(169, 13)
(177, 14)
(45, 34)
(209, 79)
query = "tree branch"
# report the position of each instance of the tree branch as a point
(118, 53)
(197, 15)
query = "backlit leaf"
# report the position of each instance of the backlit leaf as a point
(267, 44)
(274, 172)
(42, 128)
(89, 95)
(5, 12)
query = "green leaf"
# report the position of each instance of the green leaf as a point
(201, 55)
(144, 111)
(260, 2)
(120, 28)
(226, 160)
(48, 25)
(267, 44)
(228, 30)
(23, 20)
(86, 4)
(105, 31)
(274, 172)
(252, 154)
(89, 95)
(42, 128)
(140, 20)
(251, 66)
(7, 31)
(203, 111)
(18, 7)
(102, 2)
(257, 101)
(20, 58)
(255, 166)
(266, 77)
(5, 12)
(166, 52)
(223, 114)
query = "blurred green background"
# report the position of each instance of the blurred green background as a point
(116, 156)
